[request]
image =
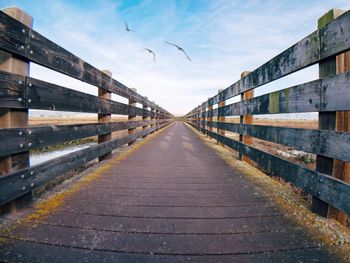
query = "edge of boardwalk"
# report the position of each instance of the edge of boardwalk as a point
(334, 236)
(54, 198)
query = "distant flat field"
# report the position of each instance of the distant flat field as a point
(34, 121)
(40, 121)
(306, 124)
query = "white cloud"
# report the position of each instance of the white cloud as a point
(223, 39)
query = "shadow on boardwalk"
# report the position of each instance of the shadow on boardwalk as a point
(171, 200)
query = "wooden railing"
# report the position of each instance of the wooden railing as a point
(20, 45)
(329, 96)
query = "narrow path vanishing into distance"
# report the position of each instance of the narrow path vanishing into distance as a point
(173, 199)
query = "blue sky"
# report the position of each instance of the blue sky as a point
(222, 37)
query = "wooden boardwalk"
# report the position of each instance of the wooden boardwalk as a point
(171, 200)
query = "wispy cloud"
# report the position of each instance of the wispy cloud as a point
(222, 37)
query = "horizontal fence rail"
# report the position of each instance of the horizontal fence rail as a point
(20, 93)
(328, 143)
(28, 93)
(16, 140)
(328, 95)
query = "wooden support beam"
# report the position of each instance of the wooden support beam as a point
(246, 119)
(341, 169)
(132, 117)
(201, 117)
(153, 118)
(326, 120)
(145, 116)
(198, 119)
(210, 118)
(157, 117)
(105, 118)
(221, 118)
(15, 117)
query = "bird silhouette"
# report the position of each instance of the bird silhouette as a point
(127, 27)
(150, 51)
(179, 48)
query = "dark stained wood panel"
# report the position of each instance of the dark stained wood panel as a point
(325, 142)
(15, 140)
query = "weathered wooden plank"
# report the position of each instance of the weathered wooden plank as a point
(341, 169)
(322, 95)
(12, 90)
(15, 140)
(327, 188)
(326, 119)
(15, 117)
(18, 39)
(13, 35)
(248, 119)
(301, 98)
(48, 96)
(336, 93)
(21, 182)
(328, 143)
(105, 118)
(335, 36)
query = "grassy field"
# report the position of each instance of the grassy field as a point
(306, 124)
(37, 121)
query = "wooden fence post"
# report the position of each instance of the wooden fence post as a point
(144, 116)
(153, 118)
(341, 169)
(105, 118)
(132, 103)
(198, 112)
(157, 117)
(210, 118)
(326, 120)
(246, 119)
(221, 118)
(15, 117)
(201, 117)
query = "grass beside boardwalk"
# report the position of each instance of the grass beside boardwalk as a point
(328, 232)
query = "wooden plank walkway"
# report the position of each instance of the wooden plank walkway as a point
(171, 200)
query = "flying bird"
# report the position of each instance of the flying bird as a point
(179, 48)
(127, 27)
(150, 51)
